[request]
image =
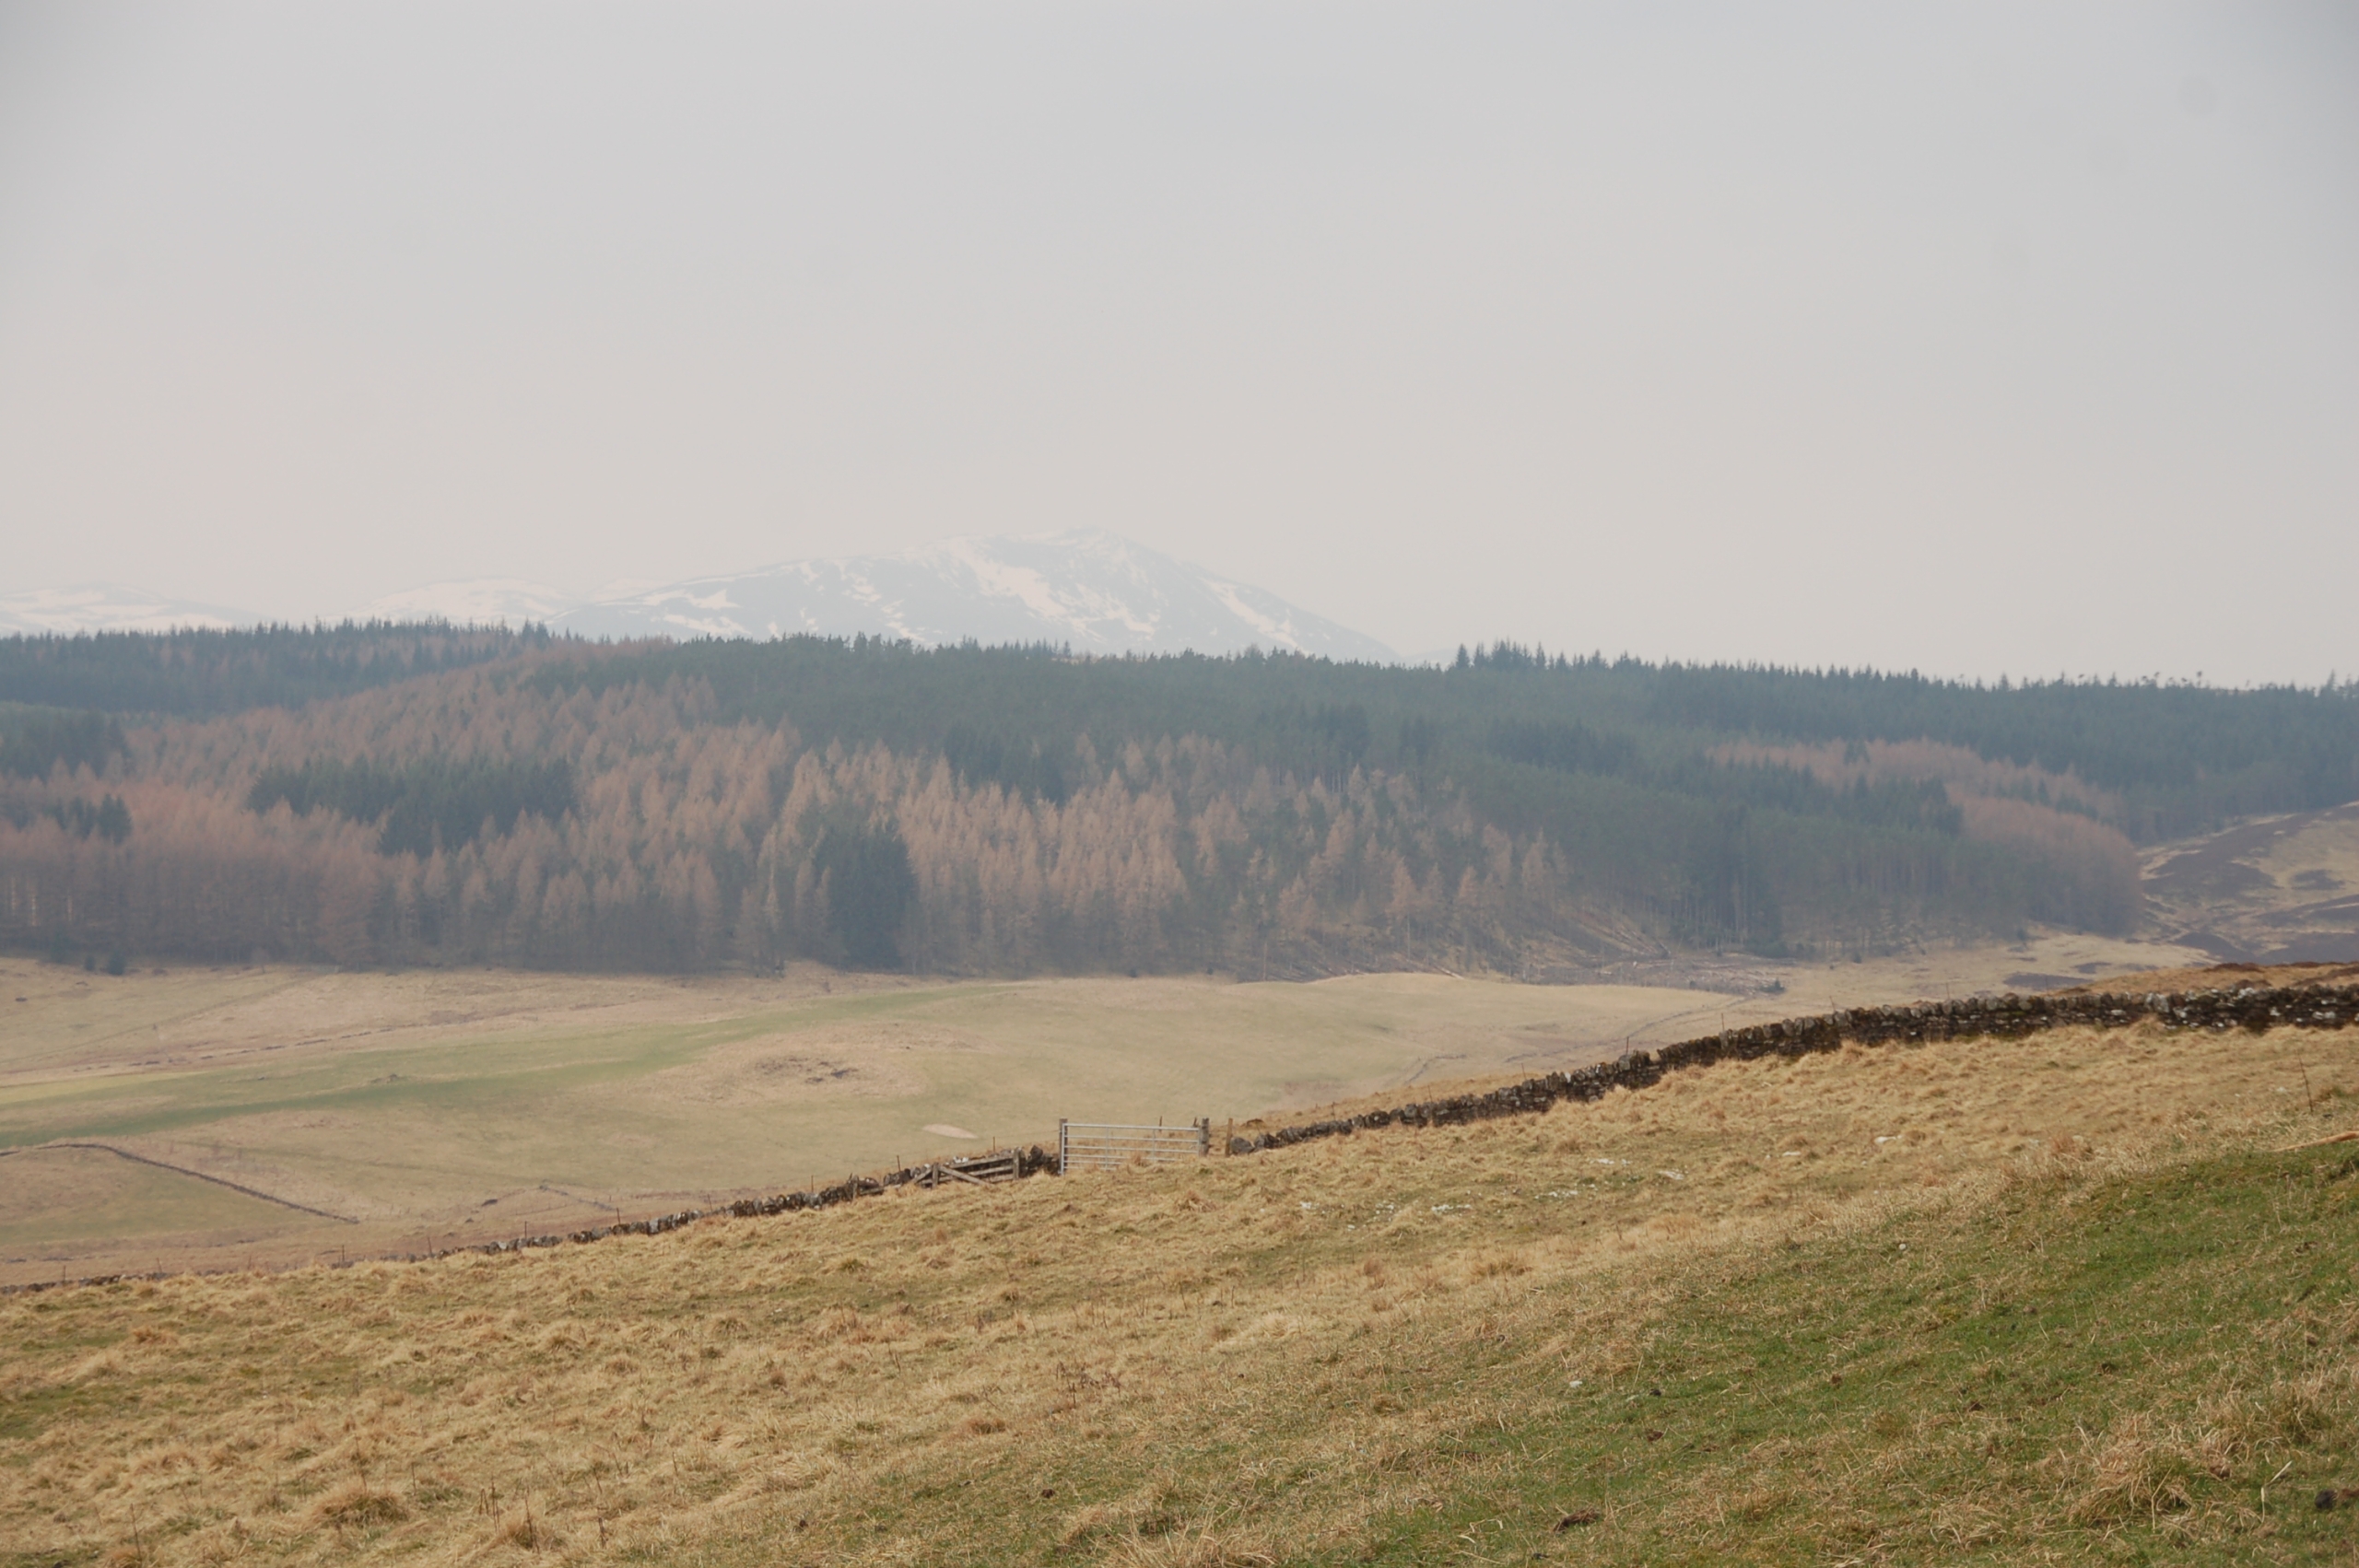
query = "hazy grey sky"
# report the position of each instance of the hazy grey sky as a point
(1974, 338)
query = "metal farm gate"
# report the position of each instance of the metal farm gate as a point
(1101, 1146)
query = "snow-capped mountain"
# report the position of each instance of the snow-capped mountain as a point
(106, 607)
(1088, 588)
(1094, 591)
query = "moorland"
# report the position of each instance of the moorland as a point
(2081, 1296)
(212, 1117)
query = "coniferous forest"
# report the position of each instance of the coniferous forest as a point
(424, 794)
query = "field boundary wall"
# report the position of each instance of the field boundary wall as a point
(2256, 1008)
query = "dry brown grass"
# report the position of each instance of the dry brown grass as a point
(403, 1103)
(2228, 977)
(1199, 1365)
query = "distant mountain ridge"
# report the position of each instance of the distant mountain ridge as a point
(483, 600)
(107, 606)
(1087, 589)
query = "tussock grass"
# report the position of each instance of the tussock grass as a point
(2050, 1299)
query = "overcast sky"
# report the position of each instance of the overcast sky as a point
(1971, 338)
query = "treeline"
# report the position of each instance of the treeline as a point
(1773, 785)
(691, 841)
(1009, 811)
(2176, 758)
(2184, 759)
(201, 670)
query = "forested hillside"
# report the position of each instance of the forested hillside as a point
(201, 672)
(415, 794)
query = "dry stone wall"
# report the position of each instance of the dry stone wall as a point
(2251, 1008)
(1034, 1161)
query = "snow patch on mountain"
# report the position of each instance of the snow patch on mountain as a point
(106, 607)
(1087, 589)
(1094, 591)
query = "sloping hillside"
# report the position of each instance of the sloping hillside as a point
(2050, 1298)
(2278, 889)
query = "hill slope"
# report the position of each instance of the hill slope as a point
(1985, 1300)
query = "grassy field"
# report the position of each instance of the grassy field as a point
(2051, 1300)
(425, 1109)
(70, 1196)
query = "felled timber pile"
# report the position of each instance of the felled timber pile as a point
(2252, 1008)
